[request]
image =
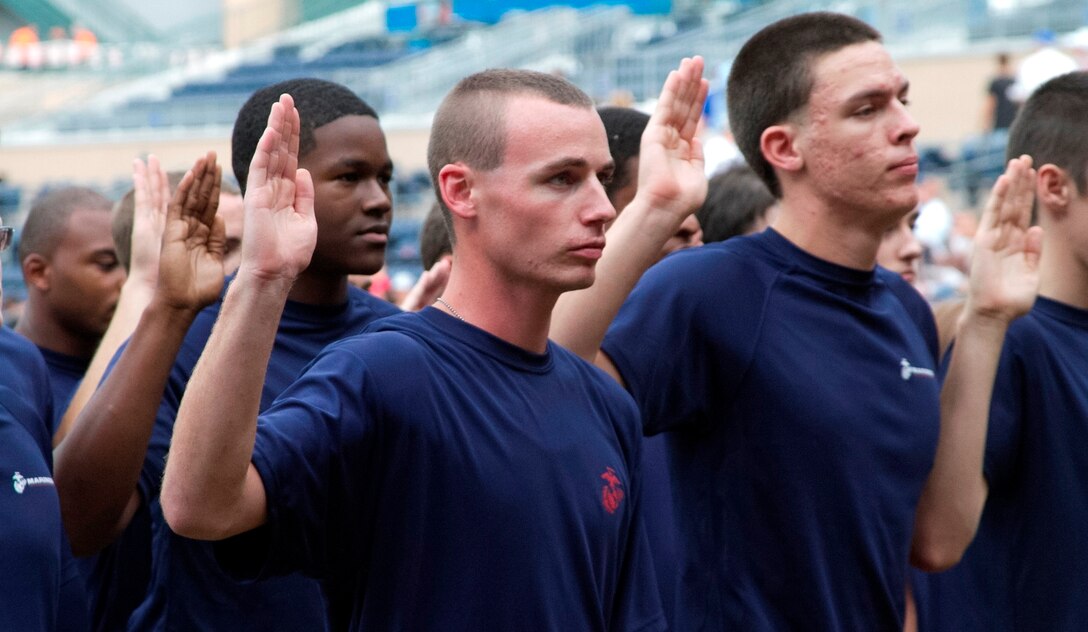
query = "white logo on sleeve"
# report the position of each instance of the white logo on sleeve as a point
(20, 482)
(906, 371)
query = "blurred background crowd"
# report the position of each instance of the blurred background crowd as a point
(86, 87)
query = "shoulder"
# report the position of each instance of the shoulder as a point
(363, 302)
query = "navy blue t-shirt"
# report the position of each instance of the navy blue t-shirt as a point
(65, 374)
(30, 525)
(441, 478)
(188, 590)
(1028, 564)
(804, 407)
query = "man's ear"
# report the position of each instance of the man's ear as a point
(455, 184)
(1053, 190)
(36, 272)
(779, 147)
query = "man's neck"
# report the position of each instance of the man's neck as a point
(518, 315)
(1063, 275)
(312, 288)
(46, 333)
(829, 236)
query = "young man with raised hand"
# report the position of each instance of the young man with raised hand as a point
(813, 447)
(343, 146)
(449, 469)
(1026, 567)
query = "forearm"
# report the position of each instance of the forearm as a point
(634, 242)
(955, 493)
(98, 464)
(212, 445)
(130, 306)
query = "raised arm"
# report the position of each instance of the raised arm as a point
(211, 489)
(671, 185)
(99, 462)
(152, 196)
(1003, 286)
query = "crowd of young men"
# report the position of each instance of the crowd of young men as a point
(462, 468)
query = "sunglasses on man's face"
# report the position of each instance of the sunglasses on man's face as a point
(5, 237)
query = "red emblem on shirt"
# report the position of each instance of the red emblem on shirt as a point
(612, 493)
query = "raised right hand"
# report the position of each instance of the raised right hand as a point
(280, 229)
(191, 262)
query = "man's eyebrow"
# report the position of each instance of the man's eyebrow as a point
(577, 163)
(358, 163)
(873, 93)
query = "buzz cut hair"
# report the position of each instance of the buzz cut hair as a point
(771, 79)
(470, 124)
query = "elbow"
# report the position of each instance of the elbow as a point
(940, 550)
(184, 516)
(934, 558)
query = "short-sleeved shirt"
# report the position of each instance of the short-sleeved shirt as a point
(803, 404)
(188, 591)
(1028, 563)
(443, 479)
(1004, 107)
(30, 525)
(65, 374)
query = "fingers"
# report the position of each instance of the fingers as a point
(139, 185)
(262, 164)
(680, 105)
(158, 185)
(203, 198)
(178, 206)
(304, 193)
(276, 157)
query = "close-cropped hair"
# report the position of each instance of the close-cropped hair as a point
(318, 102)
(771, 79)
(624, 127)
(735, 200)
(470, 124)
(1050, 127)
(49, 214)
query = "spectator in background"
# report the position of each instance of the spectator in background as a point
(737, 203)
(624, 127)
(1000, 108)
(1044, 63)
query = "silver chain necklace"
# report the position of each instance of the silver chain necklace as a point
(449, 307)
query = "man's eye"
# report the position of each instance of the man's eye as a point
(562, 179)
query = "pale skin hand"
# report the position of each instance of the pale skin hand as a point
(151, 196)
(98, 464)
(1004, 284)
(280, 228)
(671, 176)
(1004, 277)
(671, 185)
(211, 490)
(429, 287)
